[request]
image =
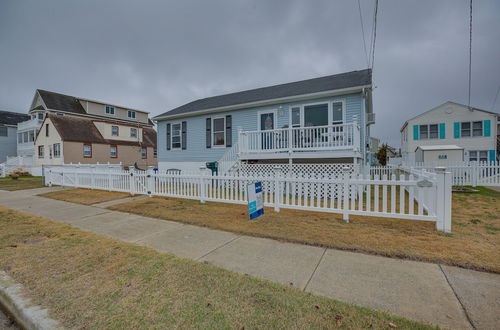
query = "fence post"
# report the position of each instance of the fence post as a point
(131, 182)
(110, 181)
(62, 177)
(443, 201)
(150, 182)
(50, 177)
(277, 188)
(475, 174)
(203, 185)
(92, 179)
(345, 194)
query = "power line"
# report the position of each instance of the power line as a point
(363, 33)
(495, 100)
(470, 51)
(374, 36)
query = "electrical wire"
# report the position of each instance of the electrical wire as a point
(470, 52)
(363, 33)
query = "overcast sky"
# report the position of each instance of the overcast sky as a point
(157, 55)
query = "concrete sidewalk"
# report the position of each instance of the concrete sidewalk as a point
(449, 297)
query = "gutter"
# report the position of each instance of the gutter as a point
(265, 102)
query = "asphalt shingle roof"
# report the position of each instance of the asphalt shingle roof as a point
(80, 129)
(56, 101)
(315, 85)
(12, 118)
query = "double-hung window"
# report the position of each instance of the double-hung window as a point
(465, 129)
(468, 129)
(87, 150)
(337, 113)
(219, 132)
(114, 130)
(430, 131)
(110, 110)
(57, 150)
(176, 136)
(133, 132)
(477, 128)
(478, 155)
(113, 151)
(131, 114)
(295, 116)
(41, 152)
(144, 153)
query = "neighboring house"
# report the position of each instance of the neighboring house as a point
(475, 130)
(320, 120)
(114, 122)
(75, 139)
(8, 131)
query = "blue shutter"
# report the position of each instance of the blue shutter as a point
(442, 131)
(415, 132)
(492, 156)
(487, 127)
(456, 130)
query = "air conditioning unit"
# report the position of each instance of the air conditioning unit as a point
(370, 118)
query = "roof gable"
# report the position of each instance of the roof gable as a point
(56, 101)
(309, 86)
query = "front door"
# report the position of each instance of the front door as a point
(266, 126)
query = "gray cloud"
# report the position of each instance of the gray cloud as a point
(156, 55)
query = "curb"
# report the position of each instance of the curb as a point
(23, 312)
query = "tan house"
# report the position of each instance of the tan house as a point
(98, 124)
(65, 139)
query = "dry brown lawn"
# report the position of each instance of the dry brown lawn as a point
(23, 182)
(474, 243)
(85, 196)
(89, 281)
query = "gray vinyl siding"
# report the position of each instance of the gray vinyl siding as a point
(8, 144)
(247, 120)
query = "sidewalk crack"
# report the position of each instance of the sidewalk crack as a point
(206, 254)
(315, 268)
(458, 298)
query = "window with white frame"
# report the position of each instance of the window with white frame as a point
(26, 137)
(41, 151)
(176, 136)
(110, 110)
(113, 151)
(219, 132)
(478, 156)
(477, 128)
(19, 137)
(133, 132)
(40, 116)
(131, 114)
(295, 116)
(468, 128)
(429, 131)
(114, 130)
(337, 113)
(87, 150)
(57, 150)
(465, 129)
(144, 153)
(32, 136)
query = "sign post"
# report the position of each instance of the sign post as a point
(255, 203)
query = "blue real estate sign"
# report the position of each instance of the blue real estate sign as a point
(255, 203)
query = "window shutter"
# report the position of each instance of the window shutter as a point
(442, 131)
(456, 130)
(184, 135)
(493, 156)
(168, 137)
(229, 131)
(209, 133)
(487, 128)
(415, 132)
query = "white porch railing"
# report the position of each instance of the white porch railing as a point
(229, 159)
(32, 124)
(300, 139)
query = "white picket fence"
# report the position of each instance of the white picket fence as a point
(410, 197)
(466, 173)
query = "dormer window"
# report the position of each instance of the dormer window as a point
(110, 110)
(131, 114)
(40, 116)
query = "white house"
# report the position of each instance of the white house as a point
(8, 131)
(475, 130)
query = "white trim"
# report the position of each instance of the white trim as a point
(105, 108)
(261, 112)
(172, 135)
(131, 111)
(330, 111)
(288, 99)
(212, 131)
(472, 129)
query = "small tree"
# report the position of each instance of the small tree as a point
(382, 154)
